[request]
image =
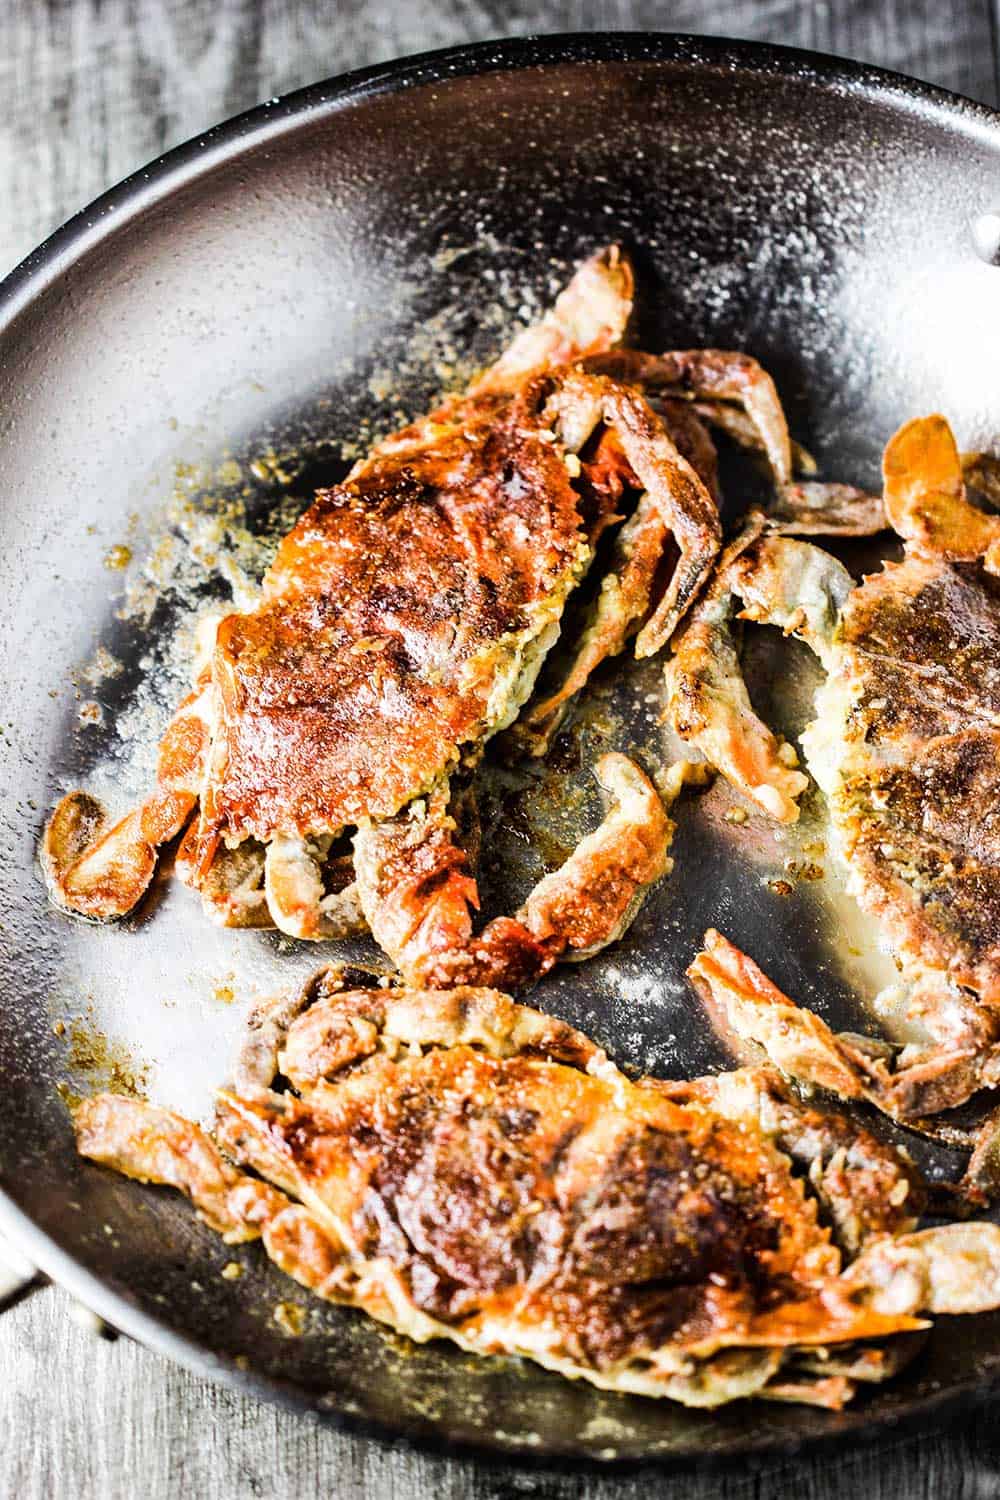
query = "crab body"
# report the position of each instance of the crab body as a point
(404, 619)
(463, 1167)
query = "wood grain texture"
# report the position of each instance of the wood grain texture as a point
(92, 89)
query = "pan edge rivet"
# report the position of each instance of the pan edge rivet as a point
(92, 1322)
(986, 236)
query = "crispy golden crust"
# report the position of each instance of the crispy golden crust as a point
(460, 1166)
(865, 1188)
(387, 613)
(917, 797)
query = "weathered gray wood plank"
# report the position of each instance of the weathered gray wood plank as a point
(94, 1421)
(94, 89)
(91, 90)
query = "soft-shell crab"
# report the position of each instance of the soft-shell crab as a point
(402, 623)
(904, 745)
(462, 1167)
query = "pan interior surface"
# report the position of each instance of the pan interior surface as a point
(181, 371)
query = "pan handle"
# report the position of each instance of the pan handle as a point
(18, 1277)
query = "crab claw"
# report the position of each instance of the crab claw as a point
(925, 497)
(92, 870)
(591, 900)
(296, 895)
(103, 873)
(418, 894)
(908, 1084)
(954, 1268)
(752, 1008)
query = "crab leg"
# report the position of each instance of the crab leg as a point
(151, 1144)
(232, 887)
(925, 498)
(919, 1081)
(417, 891)
(622, 603)
(154, 1145)
(952, 1269)
(714, 378)
(589, 316)
(692, 440)
(297, 895)
(781, 582)
(805, 506)
(811, 507)
(735, 394)
(675, 508)
(798, 1042)
(686, 508)
(102, 872)
(866, 1188)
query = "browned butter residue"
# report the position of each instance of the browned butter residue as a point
(117, 558)
(103, 1064)
(225, 990)
(290, 1318)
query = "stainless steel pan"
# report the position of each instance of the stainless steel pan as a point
(260, 289)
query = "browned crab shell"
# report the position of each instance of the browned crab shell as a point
(460, 1166)
(403, 622)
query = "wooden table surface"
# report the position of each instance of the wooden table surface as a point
(92, 89)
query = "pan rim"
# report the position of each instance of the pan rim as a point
(204, 153)
(200, 157)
